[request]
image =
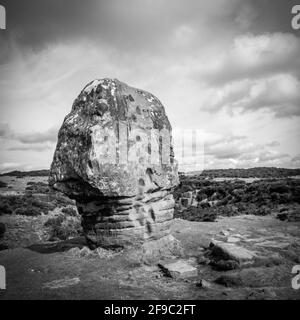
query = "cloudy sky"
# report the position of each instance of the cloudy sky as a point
(228, 68)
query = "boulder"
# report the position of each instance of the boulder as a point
(114, 156)
(224, 233)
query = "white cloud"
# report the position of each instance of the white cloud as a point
(279, 94)
(252, 57)
(183, 35)
(49, 135)
(239, 151)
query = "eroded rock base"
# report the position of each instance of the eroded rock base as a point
(141, 221)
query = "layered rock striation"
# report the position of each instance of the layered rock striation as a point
(114, 156)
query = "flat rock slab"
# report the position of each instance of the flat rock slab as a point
(61, 283)
(230, 251)
(232, 239)
(273, 244)
(179, 269)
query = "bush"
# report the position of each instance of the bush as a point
(61, 200)
(63, 228)
(279, 188)
(197, 214)
(37, 187)
(5, 209)
(201, 196)
(24, 204)
(233, 197)
(267, 192)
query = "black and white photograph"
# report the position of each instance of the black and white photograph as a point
(150, 151)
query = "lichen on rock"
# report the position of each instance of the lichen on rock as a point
(114, 156)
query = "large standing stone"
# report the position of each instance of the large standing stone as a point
(114, 156)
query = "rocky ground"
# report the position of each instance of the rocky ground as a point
(243, 256)
(257, 265)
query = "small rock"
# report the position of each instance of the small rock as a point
(233, 239)
(178, 269)
(35, 270)
(151, 268)
(237, 235)
(224, 233)
(75, 252)
(204, 284)
(85, 252)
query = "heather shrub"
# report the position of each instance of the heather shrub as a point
(62, 227)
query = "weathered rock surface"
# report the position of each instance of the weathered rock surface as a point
(229, 251)
(179, 269)
(114, 156)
